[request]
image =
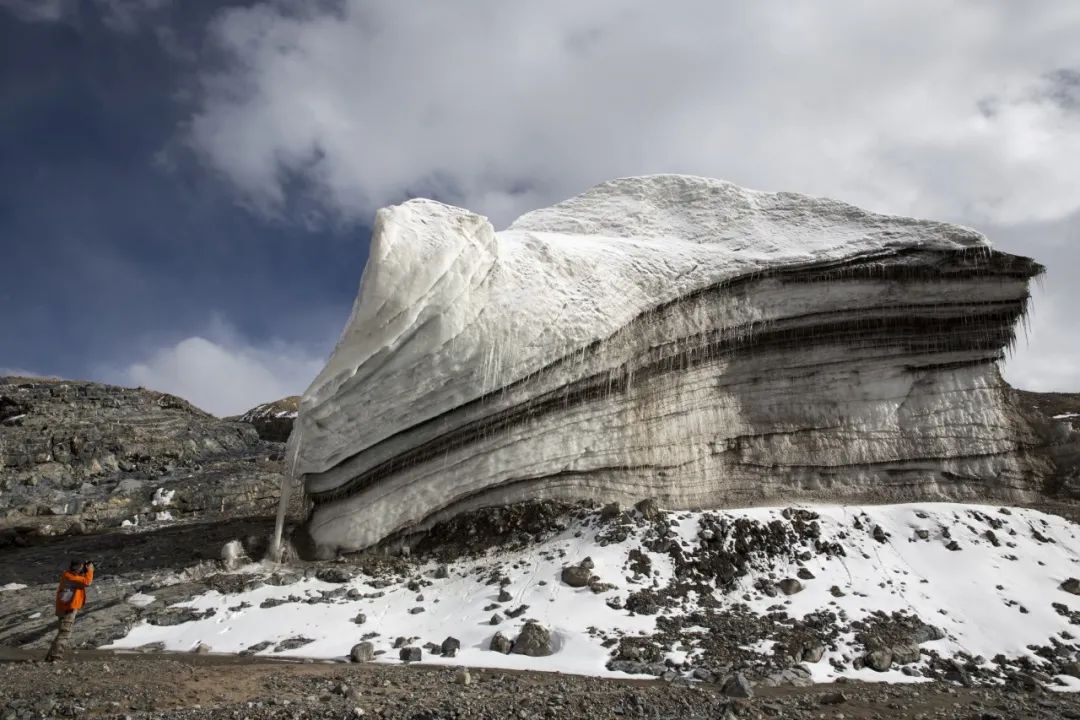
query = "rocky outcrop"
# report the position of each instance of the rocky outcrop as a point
(273, 420)
(1056, 420)
(82, 456)
(669, 337)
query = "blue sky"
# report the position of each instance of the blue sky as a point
(186, 188)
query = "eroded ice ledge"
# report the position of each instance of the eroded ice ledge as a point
(664, 336)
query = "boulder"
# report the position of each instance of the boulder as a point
(878, 660)
(410, 654)
(736, 685)
(362, 652)
(789, 586)
(500, 643)
(534, 640)
(450, 646)
(576, 576)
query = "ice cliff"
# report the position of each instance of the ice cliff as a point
(665, 336)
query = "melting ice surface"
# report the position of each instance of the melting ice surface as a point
(973, 594)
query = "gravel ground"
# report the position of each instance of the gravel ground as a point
(97, 684)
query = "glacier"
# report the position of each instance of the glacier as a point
(666, 336)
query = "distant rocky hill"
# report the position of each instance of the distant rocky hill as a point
(273, 420)
(81, 456)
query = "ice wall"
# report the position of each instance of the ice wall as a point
(664, 336)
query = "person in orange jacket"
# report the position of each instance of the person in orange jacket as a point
(70, 597)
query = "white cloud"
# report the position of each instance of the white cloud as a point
(944, 109)
(221, 372)
(1046, 358)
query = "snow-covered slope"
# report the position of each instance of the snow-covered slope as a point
(707, 592)
(665, 336)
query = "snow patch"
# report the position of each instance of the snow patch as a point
(991, 596)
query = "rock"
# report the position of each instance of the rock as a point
(495, 619)
(836, 592)
(610, 511)
(680, 284)
(501, 643)
(293, 643)
(462, 677)
(201, 649)
(450, 646)
(922, 534)
(736, 685)
(360, 618)
(69, 446)
(833, 698)
(878, 660)
(789, 586)
(813, 652)
(1072, 585)
(576, 576)
(804, 574)
(904, 654)
(504, 596)
(879, 534)
(649, 509)
(273, 421)
(334, 575)
(794, 676)
(534, 640)
(410, 654)
(362, 652)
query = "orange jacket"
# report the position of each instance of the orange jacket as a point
(71, 593)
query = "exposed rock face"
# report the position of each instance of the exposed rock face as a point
(669, 337)
(80, 456)
(273, 420)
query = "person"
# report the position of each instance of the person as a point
(70, 597)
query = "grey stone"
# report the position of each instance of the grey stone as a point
(410, 654)
(501, 643)
(576, 576)
(362, 652)
(789, 586)
(878, 660)
(736, 685)
(534, 640)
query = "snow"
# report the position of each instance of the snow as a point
(1066, 416)
(141, 600)
(973, 594)
(12, 586)
(163, 497)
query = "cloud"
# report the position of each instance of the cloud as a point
(41, 10)
(127, 16)
(958, 110)
(124, 16)
(1046, 356)
(221, 372)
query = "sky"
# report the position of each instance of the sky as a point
(186, 188)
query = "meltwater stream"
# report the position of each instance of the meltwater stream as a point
(287, 481)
